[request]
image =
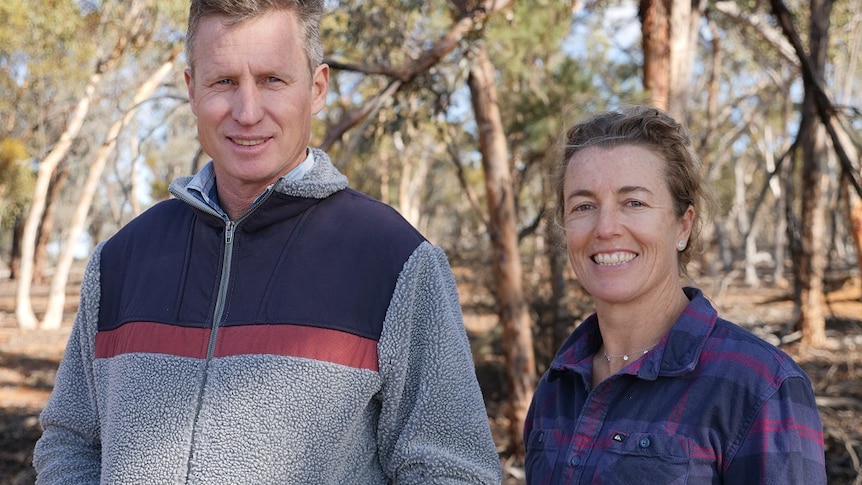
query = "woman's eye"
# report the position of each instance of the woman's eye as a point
(582, 207)
(635, 203)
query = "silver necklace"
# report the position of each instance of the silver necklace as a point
(626, 357)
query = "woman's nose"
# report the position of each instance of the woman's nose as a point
(607, 222)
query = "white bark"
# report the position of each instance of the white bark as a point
(23, 304)
(683, 44)
(57, 296)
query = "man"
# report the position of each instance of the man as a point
(269, 325)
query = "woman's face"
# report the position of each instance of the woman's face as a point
(621, 229)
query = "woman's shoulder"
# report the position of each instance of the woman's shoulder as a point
(731, 343)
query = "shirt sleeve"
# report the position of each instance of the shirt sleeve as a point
(433, 425)
(785, 441)
(69, 450)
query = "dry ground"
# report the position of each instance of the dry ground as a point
(28, 361)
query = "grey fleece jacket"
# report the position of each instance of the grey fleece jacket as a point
(155, 398)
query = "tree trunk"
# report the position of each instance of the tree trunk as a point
(558, 262)
(57, 295)
(655, 36)
(780, 230)
(512, 307)
(669, 31)
(23, 305)
(854, 208)
(744, 225)
(46, 226)
(15, 251)
(414, 173)
(815, 184)
(685, 19)
(811, 267)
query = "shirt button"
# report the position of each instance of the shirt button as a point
(576, 460)
(644, 443)
(541, 437)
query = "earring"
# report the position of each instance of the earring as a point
(680, 245)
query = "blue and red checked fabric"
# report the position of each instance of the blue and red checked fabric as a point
(712, 403)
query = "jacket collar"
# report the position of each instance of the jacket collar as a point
(319, 182)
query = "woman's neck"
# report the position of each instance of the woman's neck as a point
(629, 329)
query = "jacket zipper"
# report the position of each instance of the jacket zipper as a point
(221, 297)
(227, 258)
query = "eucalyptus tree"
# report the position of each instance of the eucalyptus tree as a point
(386, 111)
(790, 84)
(428, 56)
(24, 311)
(56, 297)
(670, 30)
(745, 40)
(116, 33)
(16, 185)
(406, 48)
(821, 124)
(41, 57)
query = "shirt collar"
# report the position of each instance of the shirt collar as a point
(203, 184)
(676, 354)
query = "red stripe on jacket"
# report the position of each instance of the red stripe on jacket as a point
(315, 343)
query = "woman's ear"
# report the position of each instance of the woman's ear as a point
(687, 224)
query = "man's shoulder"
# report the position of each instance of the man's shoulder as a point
(361, 212)
(153, 223)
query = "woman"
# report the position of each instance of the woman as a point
(654, 387)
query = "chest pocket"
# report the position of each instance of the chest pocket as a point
(542, 448)
(645, 458)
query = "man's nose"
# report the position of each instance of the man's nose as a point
(248, 105)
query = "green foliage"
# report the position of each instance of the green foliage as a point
(541, 86)
(552, 66)
(385, 33)
(159, 185)
(383, 38)
(16, 180)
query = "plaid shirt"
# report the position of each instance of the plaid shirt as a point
(712, 403)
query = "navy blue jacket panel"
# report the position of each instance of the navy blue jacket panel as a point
(329, 263)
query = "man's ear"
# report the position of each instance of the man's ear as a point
(319, 88)
(190, 85)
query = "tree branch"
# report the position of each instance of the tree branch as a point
(829, 116)
(466, 22)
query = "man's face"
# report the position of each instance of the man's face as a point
(253, 95)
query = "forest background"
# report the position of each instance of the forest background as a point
(452, 111)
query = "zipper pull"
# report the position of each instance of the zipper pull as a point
(228, 232)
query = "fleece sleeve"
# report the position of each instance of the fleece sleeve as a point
(69, 450)
(433, 426)
(784, 444)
